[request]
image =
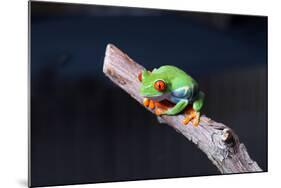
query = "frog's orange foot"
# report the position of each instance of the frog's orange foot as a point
(196, 119)
(191, 115)
(186, 120)
(159, 111)
(148, 103)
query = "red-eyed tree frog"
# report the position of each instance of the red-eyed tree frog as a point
(171, 84)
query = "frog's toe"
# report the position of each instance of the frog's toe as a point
(151, 105)
(146, 102)
(186, 120)
(196, 119)
(159, 111)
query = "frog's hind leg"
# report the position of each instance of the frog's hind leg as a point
(197, 105)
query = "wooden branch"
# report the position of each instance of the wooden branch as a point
(216, 140)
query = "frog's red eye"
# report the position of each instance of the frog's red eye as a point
(160, 85)
(140, 76)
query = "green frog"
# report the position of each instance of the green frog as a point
(178, 89)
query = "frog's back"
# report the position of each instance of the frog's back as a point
(172, 71)
(179, 77)
(168, 69)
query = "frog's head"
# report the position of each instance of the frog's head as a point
(153, 85)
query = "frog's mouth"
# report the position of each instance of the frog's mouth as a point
(158, 98)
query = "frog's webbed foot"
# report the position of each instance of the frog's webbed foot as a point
(191, 115)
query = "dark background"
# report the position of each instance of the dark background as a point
(86, 129)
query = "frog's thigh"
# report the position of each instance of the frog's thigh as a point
(178, 108)
(197, 104)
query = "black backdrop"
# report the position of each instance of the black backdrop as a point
(85, 129)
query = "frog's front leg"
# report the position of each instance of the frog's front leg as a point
(179, 107)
